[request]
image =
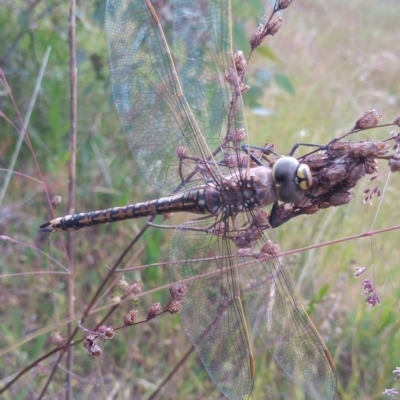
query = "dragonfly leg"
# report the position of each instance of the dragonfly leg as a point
(266, 151)
(297, 145)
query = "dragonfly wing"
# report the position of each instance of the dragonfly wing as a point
(212, 315)
(277, 316)
(203, 53)
(153, 111)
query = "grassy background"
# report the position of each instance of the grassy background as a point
(341, 57)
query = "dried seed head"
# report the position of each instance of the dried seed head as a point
(397, 373)
(340, 198)
(335, 173)
(248, 238)
(311, 209)
(233, 160)
(178, 291)
(116, 299)
(95, 351)
(240, 60)
(231, 77)
(243, 88)
(367, 120)
(89, 341)
(237, 135)
(359, 271)
(274, 25)
(367, 149)
(261, 218)
(397, 121)
(90, 344)
(174, 306)
(271, 249)
(123, 284)
(105, 332)
(368, 286)
(130, 317)
(396, 138)
(375, 192)
(57, 339)
(373, 300)
(154, 310)
(135, 288)
(56, 201)
(257, 36)
(282, 4)
(392, 392)
(181, 152)
(394, 162)
(371, 297)
(370, 167)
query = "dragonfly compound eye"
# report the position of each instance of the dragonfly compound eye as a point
(291, 179)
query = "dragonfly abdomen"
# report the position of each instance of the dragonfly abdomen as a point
(200, 200)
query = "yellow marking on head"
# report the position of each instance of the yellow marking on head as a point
(304, 177)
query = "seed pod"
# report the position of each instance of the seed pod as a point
(243, 87)
(240, 60)
(237, 135)
(130, 317)
(174, 306)
(105, 332)
(89, 341)
(282, 4)
(338, 199)
(359, 271)
(367, 120)
(271, 249)
(274, 25)
(394, 162)
(154, 310)
(181, 152)
(90, 344)
(95, 351)
(178, 291)
(257, 36)
(57, 339)
(231, 77)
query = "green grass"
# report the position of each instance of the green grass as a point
(342, 58)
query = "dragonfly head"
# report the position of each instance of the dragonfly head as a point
(291, 179)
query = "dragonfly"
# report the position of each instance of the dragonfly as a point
(182, 112)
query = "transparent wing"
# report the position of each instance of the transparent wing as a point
(212, 315)
(155, 115)
(203, 54)
(153, 112)
(224, 266)
(277, 316)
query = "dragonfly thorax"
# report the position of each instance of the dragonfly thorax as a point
(254, 190)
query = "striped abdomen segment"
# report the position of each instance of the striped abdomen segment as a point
(203, 200)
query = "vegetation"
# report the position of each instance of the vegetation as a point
(330, 62)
